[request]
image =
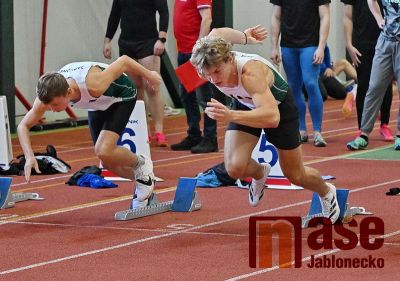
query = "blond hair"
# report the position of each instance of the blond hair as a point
(210, 51)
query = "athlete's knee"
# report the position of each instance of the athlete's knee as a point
(235, 169)
(104, 152)
(295, 176)
(296, 179)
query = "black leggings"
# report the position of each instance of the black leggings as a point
(333, 88)
(363, 76)
(329, 86)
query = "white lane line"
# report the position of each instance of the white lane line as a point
(129, 229)
(123, 245)
(79, 207)
(155, 230)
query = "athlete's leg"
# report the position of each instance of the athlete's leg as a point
(117, 159)
(239, 164)
(237, 155)
(126, 164)
(155, 103)
(293, 168)
(106, 127)
(345, 66)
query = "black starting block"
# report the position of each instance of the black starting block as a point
(186, 200)
(346, 213)
(8, 199)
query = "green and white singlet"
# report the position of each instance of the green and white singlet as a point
(122, 89)
(279, 89)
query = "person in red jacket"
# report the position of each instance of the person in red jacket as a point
(192, 20)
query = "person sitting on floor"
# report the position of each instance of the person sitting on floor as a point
(331, 85)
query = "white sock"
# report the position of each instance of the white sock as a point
(140, 162)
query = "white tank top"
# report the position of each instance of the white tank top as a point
(279, 88)
(78, 71)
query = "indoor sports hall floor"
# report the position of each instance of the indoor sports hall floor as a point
(72, 235)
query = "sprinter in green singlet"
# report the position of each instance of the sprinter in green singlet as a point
(109, 95)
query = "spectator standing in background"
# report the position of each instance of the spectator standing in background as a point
(359, 21)
(192, 20)
(304, 27)
(385, 65)
(141, 41)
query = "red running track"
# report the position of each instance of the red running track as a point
(72, 234)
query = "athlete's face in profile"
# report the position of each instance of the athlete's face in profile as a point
(58, 104)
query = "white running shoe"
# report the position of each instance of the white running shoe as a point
(329, 203)
(256, 188)
(144, 178)
(136, 203)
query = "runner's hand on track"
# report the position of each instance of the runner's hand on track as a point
(29, 164)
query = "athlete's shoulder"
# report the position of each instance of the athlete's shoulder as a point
(81, 65)
(73, 66)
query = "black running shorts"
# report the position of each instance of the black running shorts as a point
(286, 135)
(112, 119)
(137, 50)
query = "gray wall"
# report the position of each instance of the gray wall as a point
(75, 32)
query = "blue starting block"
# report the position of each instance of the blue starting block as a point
(186, 200)
(346, 212)
(8, 199)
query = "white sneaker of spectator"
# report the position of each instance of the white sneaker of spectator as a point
(168, 111)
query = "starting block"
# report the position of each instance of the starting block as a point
(346, 213)
(8, 199)
(186, 200)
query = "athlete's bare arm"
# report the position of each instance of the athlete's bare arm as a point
(99, 81)
(257, 79)
(251, 36)
(30, 119)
